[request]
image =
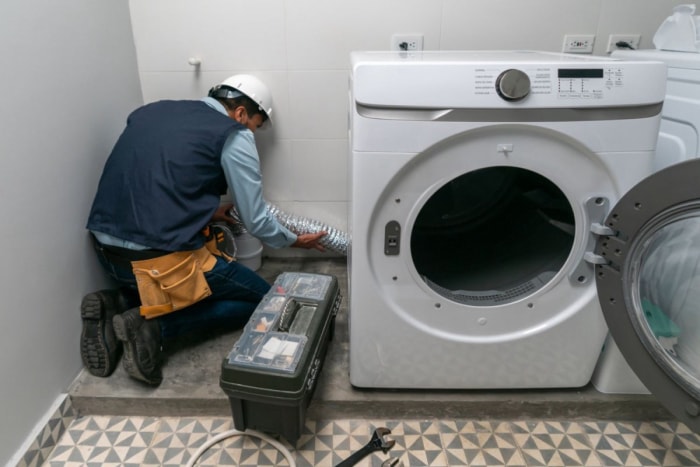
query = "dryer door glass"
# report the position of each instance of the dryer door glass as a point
(649, 285)
(492, 236)
(664, 270)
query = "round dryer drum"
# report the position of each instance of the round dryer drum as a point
(493, 236)
(649, 288)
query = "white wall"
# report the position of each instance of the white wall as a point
(69, 79)
(301, 47)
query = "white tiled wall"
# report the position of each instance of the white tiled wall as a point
(300, 48)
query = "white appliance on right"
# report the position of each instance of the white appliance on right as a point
(679, 140)
(679, 135)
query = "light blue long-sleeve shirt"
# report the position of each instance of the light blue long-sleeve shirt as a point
(241, 165)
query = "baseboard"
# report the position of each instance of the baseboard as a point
(45, 436)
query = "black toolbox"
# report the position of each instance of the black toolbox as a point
(270, 374)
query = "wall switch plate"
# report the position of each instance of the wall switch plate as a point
(631, 39)
(407, 42)
(578, 43)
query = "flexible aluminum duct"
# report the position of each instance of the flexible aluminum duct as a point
(335, 240)
(237, 227)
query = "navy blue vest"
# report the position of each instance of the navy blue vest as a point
(163, 180)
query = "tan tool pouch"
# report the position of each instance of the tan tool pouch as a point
(172, 282)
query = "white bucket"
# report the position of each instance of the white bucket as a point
(248, 250)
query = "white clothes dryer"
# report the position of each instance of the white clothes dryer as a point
(480, 181)
(679, 140)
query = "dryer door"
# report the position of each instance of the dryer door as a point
(648, 279)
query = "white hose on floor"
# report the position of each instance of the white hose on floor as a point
(231, 433)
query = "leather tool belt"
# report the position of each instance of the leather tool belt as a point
(173, 281)
(170, 281)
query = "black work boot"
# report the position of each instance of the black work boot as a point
(142, 346)
(99, 348)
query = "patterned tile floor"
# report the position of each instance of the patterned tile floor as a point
(150, 441)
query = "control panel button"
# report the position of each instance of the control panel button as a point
(513, 85)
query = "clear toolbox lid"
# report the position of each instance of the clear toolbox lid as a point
(275, 336)
(300, 285)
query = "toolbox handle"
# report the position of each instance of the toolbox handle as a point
(313, 372)
(288, 314)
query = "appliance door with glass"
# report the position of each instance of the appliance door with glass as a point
(649, 285)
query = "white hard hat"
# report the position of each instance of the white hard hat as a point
(249, 86)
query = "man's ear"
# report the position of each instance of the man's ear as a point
(237, 114)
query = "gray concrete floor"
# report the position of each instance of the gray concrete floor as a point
(192, 370)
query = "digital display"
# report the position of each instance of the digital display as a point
(581, 73)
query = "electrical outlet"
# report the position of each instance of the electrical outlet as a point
(578, 43)
(407, 42)
(631, 39)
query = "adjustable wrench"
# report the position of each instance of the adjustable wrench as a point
(375, 444)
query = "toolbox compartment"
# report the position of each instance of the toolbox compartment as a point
(271, 372)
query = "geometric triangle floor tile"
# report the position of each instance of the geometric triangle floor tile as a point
(173, 441)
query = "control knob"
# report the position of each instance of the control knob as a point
(513, 85)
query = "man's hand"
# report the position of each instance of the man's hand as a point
(221, 214)
(310, 241)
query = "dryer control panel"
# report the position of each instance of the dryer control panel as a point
(588, 83)
(567, 83)
(491, 79)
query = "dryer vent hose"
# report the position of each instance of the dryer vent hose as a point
(335, 240)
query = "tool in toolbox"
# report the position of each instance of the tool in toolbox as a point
(377, 443)
(271, 372)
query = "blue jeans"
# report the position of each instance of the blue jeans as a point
(236, 291)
